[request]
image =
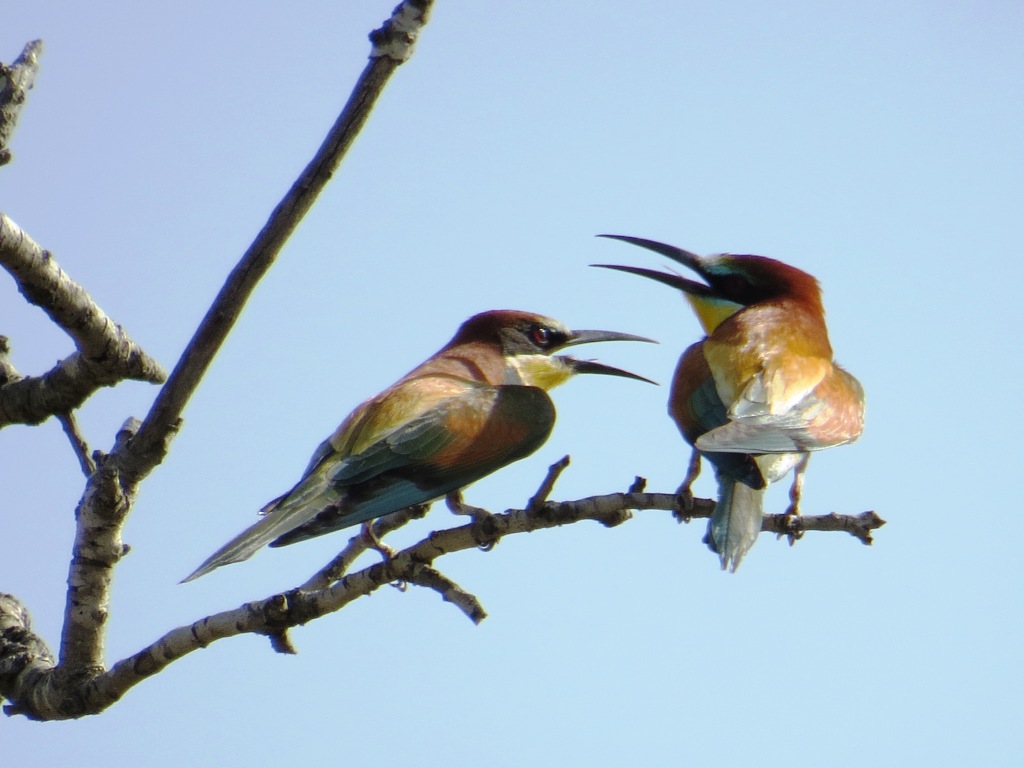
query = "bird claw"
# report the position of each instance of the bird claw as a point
(684, 502)
(483, 521)
(387, 554)
(792, 525)
(794, 530)
(373, 542)
(684, 494)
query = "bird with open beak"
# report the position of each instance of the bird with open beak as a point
(475, 406)
(761, 390)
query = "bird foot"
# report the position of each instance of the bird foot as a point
(684, 494)
(791, 518)
(792, 524)
(684, 500)
(387, 554)
(483, 527)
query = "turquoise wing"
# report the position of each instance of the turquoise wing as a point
(449, 447)
(456, 442)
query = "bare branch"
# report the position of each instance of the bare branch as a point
(8, 373)
(431, 578)
(111, 488)
(78, 444)
(859, 526)
(548, 484)
(105, 356)
(24, 658)
(15, 82)
(392, 46)
(97, 549)
(274, 615)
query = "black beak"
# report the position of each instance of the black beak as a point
(592, 366)
(586, 337)
(676, 281)
(686, 258)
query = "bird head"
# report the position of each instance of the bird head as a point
(732, 281)
(528, 342)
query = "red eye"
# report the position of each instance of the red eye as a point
(541, 336)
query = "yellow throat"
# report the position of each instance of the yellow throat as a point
(544, 371)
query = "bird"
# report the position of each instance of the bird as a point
(760, 391)
(478, 404)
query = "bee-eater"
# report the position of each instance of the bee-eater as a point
(478, 404)
(761, 389)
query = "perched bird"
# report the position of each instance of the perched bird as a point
(478, 404)
(760, 390)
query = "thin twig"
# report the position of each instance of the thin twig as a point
(548, 483)
(859, 526)
(431, 578)
(78, 444)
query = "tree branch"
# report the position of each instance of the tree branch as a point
(548, 483)
(78, 444)
(274, 615)
(15, 83)
(111, 488)
(97, 549)
(25, 661)
(431, 578)
(105, 356)
(8, 373)
(392, 45)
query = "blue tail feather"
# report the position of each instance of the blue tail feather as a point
(736, 521)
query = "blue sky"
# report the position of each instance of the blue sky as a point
(876, 145)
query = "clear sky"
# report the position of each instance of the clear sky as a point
(875, 144)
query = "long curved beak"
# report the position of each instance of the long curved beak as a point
(686, 258)
(676, 281)
(586, 337)
(592, 366)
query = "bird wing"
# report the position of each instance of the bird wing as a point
(773, 369)
(455, 443)
(754, 428)
(697, 409)
(743, 437)
(460, 437)
(829, 413)
(779, 387)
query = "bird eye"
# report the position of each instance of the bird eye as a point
(541, 336)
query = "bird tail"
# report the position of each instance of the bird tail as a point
(736, 521)
(304, 502)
